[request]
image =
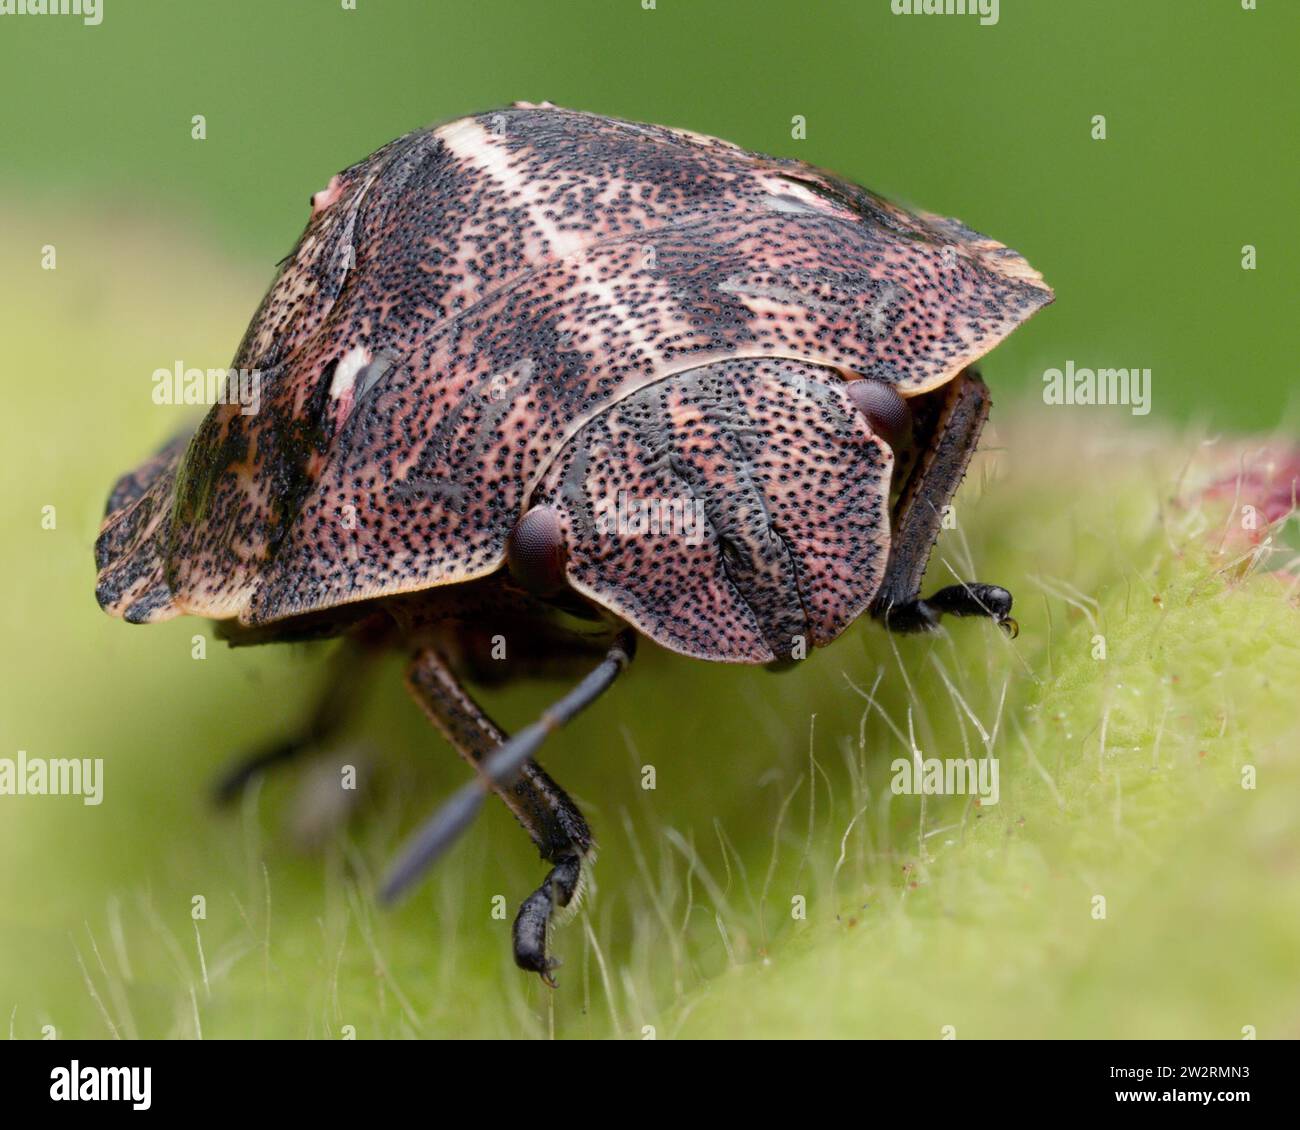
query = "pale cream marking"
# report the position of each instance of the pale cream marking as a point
(326, 196)
(474, 145)
(628, 322)
(704, 139)
(780, 186)
(353, 362)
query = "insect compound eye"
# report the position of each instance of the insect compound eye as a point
(886, 411)
(535, 552)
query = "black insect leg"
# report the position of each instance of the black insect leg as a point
(506, 767)
(972, 598)
(918, 516)
(339, 694)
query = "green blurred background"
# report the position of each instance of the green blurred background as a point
(165, 244)
(1140, 234)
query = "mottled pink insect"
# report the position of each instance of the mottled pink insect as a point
(553, 379)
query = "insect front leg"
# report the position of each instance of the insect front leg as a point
(506, 766)
(918, 516)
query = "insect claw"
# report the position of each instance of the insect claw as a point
(1009, 625)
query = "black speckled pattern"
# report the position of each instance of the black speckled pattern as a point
(469, 299)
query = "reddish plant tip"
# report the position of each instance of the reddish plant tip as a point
(535, 553)
(1263, 483)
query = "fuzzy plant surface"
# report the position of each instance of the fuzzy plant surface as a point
(1136, 873)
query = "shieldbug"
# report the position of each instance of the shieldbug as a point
(562, 379)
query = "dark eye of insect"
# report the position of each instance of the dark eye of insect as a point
(887, 413)
(535, 552)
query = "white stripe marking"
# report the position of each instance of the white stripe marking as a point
(474, 145)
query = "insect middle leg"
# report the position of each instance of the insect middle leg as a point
(918, 515)
(339, 694)
(543, 809)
